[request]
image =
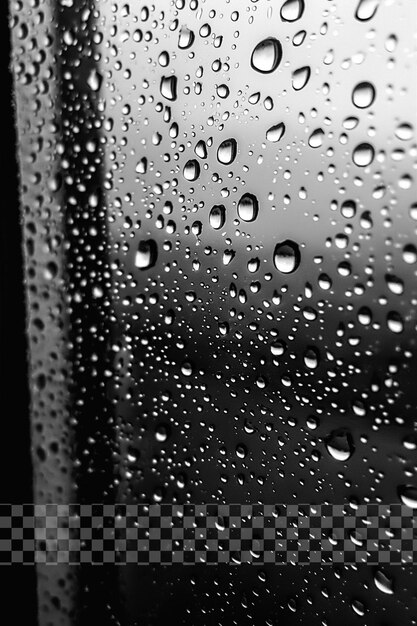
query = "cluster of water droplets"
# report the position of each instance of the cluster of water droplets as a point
(239, 246)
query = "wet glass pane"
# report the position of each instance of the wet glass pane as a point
(220, 212)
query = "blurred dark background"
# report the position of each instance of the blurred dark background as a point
(15, 462)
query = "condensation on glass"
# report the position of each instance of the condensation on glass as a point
(219, 213)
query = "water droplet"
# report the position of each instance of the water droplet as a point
(365, 316)
(217, 216)
(201, 149)
(395, 284)
(287, 256)
(312, 358)
(383, 582)
(191, 170)
(404, 132)
(366, 9)
(301, 77)
(348, 209)
(316, 138)
(363, 155)
(228, 256)
(358, 607)
(161, 433)
(168, 87)
(222, 91)
(339, 444)
(226, 152)
(267, 55)
(278, 348)
(395, 322)
(410, 442)
(275, 133)
(186, 38)
(94, 80)
(292, 10)
(163, 59)
(363, 95)
(146, 254)
(408, 495)
(142, 166)
(248, 207)
(187, 368)
(410, 254)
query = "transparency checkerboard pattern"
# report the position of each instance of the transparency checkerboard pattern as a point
(208, 534)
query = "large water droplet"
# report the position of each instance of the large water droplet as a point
(168, 87)
(301, 77)
(217, 216)
(348, 209)
(142, 166)
(248, 207)
(363, 154)
(339, 444)
(383, 582)
(366, 9)
(358, 607)
(408, 495)
(404, 132)
(363, 95)
(292, 10)
(186, 38)
(146, 254)
(187, 368)
(191, 170)
(267, 55)
(275, 133)
(94, 80)
(395, 322)
(287, 256)
(201, 149)
(312, 358)
(316, 138)
(227, 150)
